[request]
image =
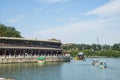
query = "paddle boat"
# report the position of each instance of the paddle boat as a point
(80, 56)
(103, 65)
(95, 62)
(41, 60)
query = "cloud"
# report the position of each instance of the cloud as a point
(110, 9)
(15, 19)
(85, 32)
(107, 29)
(53, 1)
(73, 19)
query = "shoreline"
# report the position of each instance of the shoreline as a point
(99, 57)
(6, 79)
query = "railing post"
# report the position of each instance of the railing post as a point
(15, 53)
(5, 51)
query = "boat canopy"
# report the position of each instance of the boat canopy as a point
(41, 58)
(81, 53)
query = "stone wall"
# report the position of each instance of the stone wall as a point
(48, 59)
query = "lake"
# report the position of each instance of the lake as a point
(74, 70)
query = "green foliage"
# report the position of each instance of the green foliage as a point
(116, 46)
(7, 31)
(105, 53)
(93, 50)
(106, 47)
(73, 53)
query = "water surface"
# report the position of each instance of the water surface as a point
(74, 70)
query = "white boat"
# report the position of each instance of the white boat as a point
(95, 62)
(103, 65)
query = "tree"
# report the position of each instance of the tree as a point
(116, 46)
(106, 47)
(7, 31)
(93, 50)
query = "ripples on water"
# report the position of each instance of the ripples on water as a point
(74, 70)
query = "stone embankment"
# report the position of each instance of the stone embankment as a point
(48, 59)
(6, 79)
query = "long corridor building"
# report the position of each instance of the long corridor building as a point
(18, 48)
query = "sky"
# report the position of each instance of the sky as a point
(71, 21)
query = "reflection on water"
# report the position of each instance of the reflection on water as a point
(74, 70)
(30, 71)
